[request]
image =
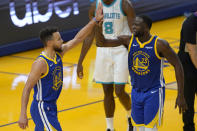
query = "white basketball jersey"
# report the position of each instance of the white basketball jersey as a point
(114, 21)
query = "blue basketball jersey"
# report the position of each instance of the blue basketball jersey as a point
(49, 86)
(145, 65)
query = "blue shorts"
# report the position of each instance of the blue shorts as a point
(147, 107)
(44, 115)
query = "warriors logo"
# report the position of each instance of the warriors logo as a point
(140, 63)
(57, 78)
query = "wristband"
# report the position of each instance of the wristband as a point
(95, 20)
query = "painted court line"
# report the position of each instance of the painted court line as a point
(12, 73)
(30, 58)
(83, 105)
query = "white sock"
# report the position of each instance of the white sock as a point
(110, 123)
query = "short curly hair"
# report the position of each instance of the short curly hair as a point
(46, 34)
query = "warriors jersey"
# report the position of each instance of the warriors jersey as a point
(145, 65)
(114, 21)
(49, 85)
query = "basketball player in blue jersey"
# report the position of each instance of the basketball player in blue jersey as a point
(145, 62)
(111, 59)
(46, 77)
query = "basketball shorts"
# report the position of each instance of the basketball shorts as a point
(44, 115)
(147, 107)
(111, 66)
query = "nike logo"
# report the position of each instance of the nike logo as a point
(147, 47)
(153, 92)
(135, 45)
(51, 65)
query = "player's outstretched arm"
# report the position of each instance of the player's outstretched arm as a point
(125, 40)
(39, 67)
(85, 31)
(167, 52)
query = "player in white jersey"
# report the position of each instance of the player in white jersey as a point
(111, 68)
(115, 20)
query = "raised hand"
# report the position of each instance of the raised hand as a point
(99, 13)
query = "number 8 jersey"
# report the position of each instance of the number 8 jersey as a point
(115, 20)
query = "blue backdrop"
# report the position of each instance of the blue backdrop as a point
(21, 20)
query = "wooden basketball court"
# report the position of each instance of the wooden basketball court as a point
(80, 104)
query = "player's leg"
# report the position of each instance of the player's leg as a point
(139, 128)
(51, 115)
(120, 59)
(39, 125)
(151, 129)
(142, 128)
(153, 108)
(188, 115)
(104, 74)
(125, 101)
(109, 105)
(123, 96)
(137, 106)
(44, 116)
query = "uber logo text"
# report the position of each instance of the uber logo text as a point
(33, 16)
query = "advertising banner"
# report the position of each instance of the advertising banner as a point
(23, 19)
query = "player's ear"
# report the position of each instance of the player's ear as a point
(49, 43)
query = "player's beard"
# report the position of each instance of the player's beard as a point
(139, 34)
(57, 49)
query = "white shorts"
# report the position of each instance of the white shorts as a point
(111, 66)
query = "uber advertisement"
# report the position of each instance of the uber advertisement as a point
(23, 19)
